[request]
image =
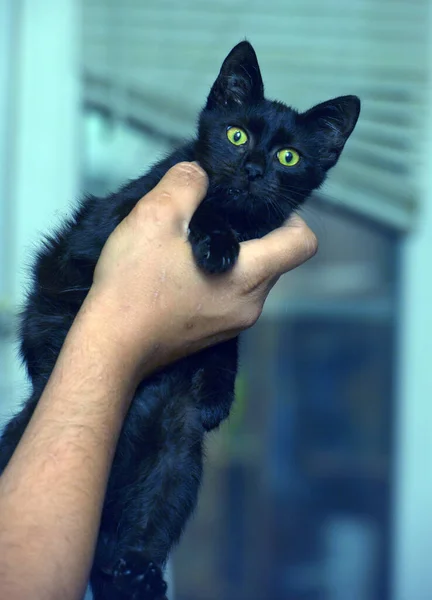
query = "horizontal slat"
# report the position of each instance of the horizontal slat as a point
(354, 180)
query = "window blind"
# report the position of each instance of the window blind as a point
(153, 62)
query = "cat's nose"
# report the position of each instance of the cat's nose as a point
(253, 170)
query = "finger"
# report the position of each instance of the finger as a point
(279, 251)
(184, 186)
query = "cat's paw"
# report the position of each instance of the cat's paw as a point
(138, 579)
(217, 252)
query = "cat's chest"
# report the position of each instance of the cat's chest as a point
(236, 213)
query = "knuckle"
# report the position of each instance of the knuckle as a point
(306, 239)
(250, 316)
(157, 200)
(142, 209)
(189, 171)
(155, 207)
(164, 198)
(311, 243)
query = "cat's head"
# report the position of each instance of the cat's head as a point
(262, 156)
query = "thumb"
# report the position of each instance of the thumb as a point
(279, 251)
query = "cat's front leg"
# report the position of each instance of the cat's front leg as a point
(214, 244)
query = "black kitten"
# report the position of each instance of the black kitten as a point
(263, 159)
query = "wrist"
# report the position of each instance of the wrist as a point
(127, 352)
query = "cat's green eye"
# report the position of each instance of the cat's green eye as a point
(288, 157)
(237, 136)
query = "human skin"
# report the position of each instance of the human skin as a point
(149, 305)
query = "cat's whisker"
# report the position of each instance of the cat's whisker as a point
(74, 289)
(276, 207)
(294, 190)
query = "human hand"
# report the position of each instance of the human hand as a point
(149, 291)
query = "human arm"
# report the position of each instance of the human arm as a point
(148, 306)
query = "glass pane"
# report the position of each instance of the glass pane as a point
(297, 487)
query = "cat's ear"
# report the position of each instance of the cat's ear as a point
(239, 81)
(335, 119)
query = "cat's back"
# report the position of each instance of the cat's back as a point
(63, 270)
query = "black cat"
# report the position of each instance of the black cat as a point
(263, 160)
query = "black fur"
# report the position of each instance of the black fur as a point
(157, 468)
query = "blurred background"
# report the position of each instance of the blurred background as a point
(320, 485)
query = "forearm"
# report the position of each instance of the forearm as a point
(51, 493)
